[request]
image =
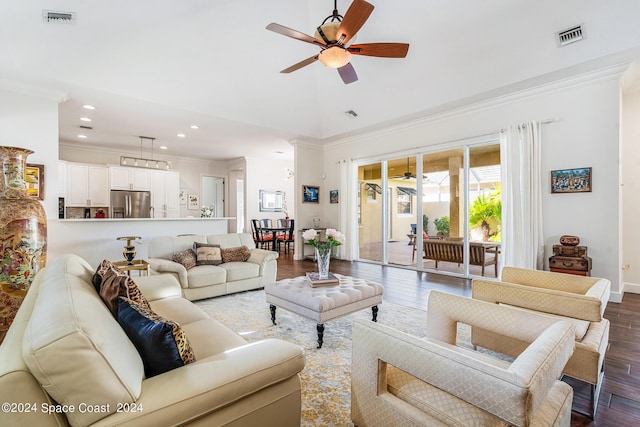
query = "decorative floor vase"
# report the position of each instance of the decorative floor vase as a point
(324, 257)
(23, 233)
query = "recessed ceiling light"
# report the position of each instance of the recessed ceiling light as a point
(163, 147)
(88, 107)
(195, 127)
(82, 136)
(85, 119)
(181, 135)
(279, 152)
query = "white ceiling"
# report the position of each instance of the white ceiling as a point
(155, 67)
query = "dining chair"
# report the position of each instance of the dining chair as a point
(261, 239)
(287, 237)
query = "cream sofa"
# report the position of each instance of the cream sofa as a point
(206, 281)
(578, 299)
(399, 379)
(66, 361)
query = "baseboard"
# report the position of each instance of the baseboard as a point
(633, 288)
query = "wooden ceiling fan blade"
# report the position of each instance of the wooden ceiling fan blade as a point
(354, 19)
(294, 34)
(383, 50)
(300, 64)
(348, 73)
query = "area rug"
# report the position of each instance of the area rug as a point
(326, 378)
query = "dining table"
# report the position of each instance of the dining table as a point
(274, 234)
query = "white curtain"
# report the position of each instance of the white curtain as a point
(522, 238)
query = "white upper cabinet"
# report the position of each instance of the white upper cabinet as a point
(123, 178)
(87, 185)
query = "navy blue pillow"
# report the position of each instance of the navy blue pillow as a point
(161, 343)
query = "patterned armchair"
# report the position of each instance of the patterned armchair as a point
(581, 300)
(399, 379)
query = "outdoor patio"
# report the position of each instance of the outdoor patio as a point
(400, 253)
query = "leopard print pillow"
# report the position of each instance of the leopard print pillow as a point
(237, 254)
(187, 258)
(161, 343)
(111, 282)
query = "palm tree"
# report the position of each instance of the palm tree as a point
(486, 213)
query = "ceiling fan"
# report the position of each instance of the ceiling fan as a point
(407, 175)
(333, 37)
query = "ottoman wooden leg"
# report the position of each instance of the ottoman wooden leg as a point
(320, 328)
(374, 311)
(273, 313)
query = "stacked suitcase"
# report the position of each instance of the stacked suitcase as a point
(570, 259)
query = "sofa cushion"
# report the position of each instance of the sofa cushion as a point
(207, 254)
(162, 344)
(187, 258)
(111, 282)
(75, 348)
(241, 270)
(236, 254)
(206, 275)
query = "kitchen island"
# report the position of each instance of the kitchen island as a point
(94, 239)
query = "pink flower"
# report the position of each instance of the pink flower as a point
(309, 234)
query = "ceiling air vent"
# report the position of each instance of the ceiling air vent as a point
(52, 17)
(85, 127)
(569, 36)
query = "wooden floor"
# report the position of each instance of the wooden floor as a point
(619, 403)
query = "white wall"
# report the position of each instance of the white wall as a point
(31, 121)
(630, 189)
(585, 135)
(310, 170)
(267, 175)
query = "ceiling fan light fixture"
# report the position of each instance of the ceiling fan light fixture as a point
(335, 57)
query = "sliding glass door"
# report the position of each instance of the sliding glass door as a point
(370, 212)
(434, 211)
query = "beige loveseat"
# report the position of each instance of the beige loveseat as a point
(206, 281)
(579, 299)
(399, 379)
(66, 360)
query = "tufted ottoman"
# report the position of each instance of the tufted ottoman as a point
(323, 303)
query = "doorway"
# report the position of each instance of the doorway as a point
(212, 194)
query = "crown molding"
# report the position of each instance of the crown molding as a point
(487, 100)
(81, 146)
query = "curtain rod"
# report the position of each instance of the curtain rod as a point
(542, 122)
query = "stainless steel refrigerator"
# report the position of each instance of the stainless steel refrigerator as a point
(130, 204)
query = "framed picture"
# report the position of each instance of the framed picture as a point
(310, 194)
(193, 201)
(271, 201)
(333, 196)
(34, 176)
(182, 196)
(571, 180)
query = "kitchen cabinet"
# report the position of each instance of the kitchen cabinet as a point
(123, 178)
(87, 185)
(165, 186)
